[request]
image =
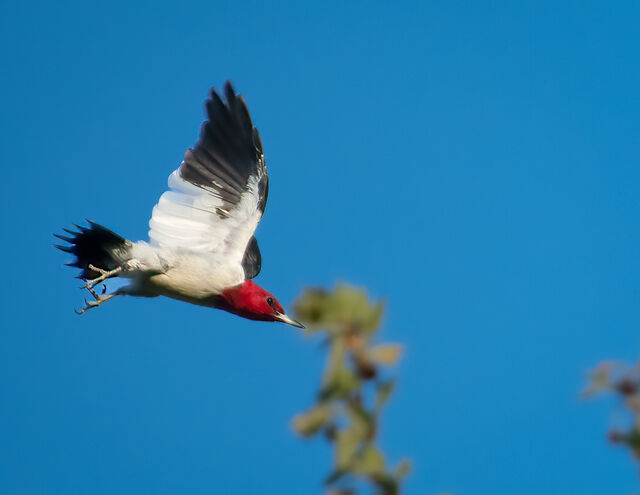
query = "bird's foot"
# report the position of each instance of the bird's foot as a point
(94, 293)
(99, 300)
(104, 275)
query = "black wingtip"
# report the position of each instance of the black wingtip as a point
(66, 249)
(64, 238)
(229, 150)
(229, 91)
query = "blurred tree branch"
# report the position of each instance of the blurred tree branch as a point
(353, 390)
(622, 380)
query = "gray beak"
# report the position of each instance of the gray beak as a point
(289, 321)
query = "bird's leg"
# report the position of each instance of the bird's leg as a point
(99, 300)
(104, 275)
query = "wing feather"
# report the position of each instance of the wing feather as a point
(217, 196)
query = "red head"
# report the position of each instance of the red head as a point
(252, 301)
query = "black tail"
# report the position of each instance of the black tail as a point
(92, 246)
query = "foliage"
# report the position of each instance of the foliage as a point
(623, 380)
(353, 390)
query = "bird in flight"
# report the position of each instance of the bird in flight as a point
(201, 245)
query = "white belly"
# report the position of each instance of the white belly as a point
(194, 277)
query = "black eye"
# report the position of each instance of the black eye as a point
(270, 301)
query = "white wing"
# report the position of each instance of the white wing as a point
(217, 196)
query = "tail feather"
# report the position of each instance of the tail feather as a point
(94, 245)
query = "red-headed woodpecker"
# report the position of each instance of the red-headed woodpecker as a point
(201, 248)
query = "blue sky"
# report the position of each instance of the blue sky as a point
(475, 164)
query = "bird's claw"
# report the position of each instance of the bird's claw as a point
(90, 284)
(94, 304)
(86, 306)
(104, 275)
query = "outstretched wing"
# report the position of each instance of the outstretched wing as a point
(218, 194)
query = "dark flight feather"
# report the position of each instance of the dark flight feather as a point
(252, 260)
(228, 152)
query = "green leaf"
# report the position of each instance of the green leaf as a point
(374, 318)
(347, 304)
(385, 353)
(310, 307)
(387, 484)
(370, 462)
(347, 442)
(361, 420)
(340, 386)
(403, 468)
(383, 392)
(633, 438)
(345, 309)
(336, 360)
(600, 379)
(349, 319)
(339, 381)
(308, 423)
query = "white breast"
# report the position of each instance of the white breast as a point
(194, 275)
